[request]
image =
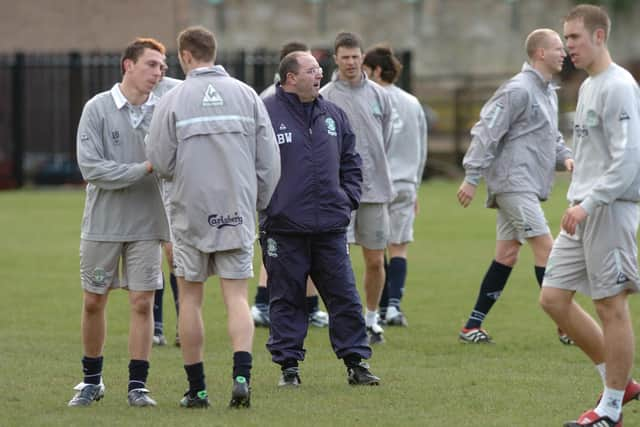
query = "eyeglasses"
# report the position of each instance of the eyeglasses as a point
(313, 71)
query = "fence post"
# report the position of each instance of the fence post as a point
(259, 69)
(75, 98)
(458, 99)
(405, 75)
(17, 119)
(241, 72)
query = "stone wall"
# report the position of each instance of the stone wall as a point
(448, 37)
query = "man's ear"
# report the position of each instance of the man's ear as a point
(128, 64)
(186, 56)
(600, 35)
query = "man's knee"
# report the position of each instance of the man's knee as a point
(94, 303)
(552, 301)
(612, 309)
(142, 303)
(374, 260)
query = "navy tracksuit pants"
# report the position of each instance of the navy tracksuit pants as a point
(289, 259)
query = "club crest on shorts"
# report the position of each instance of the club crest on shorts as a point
(272, 248)
(99, 277)
(331, 126)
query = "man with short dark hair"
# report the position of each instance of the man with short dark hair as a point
(287, 48)
(596, 251)
(303, 229)
(368, 108)
(407, 156)
(124, 218)
(212, 138)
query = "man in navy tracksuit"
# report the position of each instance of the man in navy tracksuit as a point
(303, 230)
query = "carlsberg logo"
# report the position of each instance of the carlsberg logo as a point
(221, 221)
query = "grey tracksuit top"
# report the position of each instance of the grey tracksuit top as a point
(212, 137)
(516, 144)
(408, 151)
(123, 202)
(164, 86)
(606, 140)
(271, 89)
(368, 109)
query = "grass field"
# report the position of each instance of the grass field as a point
(429, 379)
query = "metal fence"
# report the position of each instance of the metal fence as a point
(42, 95)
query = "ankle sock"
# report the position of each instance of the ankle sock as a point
(92, 369)
(138, 372)
(242, 361)
(195, 375)
(492, 286)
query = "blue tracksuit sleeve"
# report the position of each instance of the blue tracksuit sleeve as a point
(350, 165)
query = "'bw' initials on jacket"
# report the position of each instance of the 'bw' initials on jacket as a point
(321, 175)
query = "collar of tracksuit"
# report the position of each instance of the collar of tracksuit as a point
(347, 84)
(295, 103)
(544, 84)
(216, 70)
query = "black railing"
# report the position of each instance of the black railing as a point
(42, 95)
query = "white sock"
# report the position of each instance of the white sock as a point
(602, 370)
(371, 317)
(611, 404)
(392, 312)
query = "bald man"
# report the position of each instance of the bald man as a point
(516, 147)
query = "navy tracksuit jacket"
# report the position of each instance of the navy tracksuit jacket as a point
(303, 229)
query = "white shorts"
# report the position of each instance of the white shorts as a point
(520, 217)
(369, 226)
(402, 214)
(140, 262)
(600, 259)
(196, 266)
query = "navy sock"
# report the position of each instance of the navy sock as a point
(195, 375)
(312, 304)
(397, 274)
(242, 364)
(92, 369)
(138, 371)
(539, 274)
(262, 297)
(174, 289)
(157, 310)
(289, 363)
(492, 285)
(384, 298)
(351, 360)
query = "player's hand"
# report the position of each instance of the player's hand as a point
(572, 217)
(466, 192)
(149, 166)
(416, 208)
(569, 165)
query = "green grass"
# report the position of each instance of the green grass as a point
(528, 378)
